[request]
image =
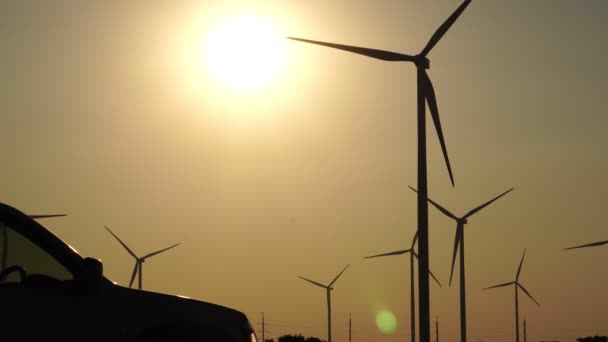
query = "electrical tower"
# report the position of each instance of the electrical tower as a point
(525, 335)
(350, 327)
(437, 329)
(263, 324)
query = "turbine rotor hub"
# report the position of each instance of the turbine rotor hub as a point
(422, 62)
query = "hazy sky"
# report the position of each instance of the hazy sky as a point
(110, 116)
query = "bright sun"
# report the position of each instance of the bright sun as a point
(245, 53)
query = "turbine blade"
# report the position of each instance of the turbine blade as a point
(441, 31)
(431, 99)
(35, 217)
(415, 239)
(122, 243)
(474, 211)
(373, 53)
(314, 282)
(134, 273)
(456, 244)
(528, 293)
(436, 205)
(520, 264)
(500, 285)
(160, 251)
(338, 276)
(436, 280)
(431, 273)
(600, 243)
(387, 254)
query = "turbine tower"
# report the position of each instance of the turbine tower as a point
(328, 289)
(517, 285)
(412, 285)
(459, 241)
(425, 94)
(593, 244)
(138, 269)
(3, 262)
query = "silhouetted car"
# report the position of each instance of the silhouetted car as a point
(49, 292)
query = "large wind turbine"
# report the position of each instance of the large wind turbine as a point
(138, 260)
(517, 286)
(3, 263)
(459, 241)
(413, 255)
(328, 289)
(593, 244)
(426, 94)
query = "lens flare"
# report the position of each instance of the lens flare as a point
(386, 322)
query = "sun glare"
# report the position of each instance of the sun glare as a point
(245, 53)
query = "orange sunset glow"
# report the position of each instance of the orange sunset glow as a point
(269, 159)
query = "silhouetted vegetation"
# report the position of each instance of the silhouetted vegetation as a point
(593, 339)
(298, 338)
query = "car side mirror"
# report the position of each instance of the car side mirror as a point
(90, 276)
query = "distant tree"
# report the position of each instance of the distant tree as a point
(593, 339)
(298, 338)
(313, 339)
(292, 338)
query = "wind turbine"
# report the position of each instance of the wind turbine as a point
(328, 289)
(593, 244)
(412, 286)
(4, 261)
(36, 217)
(426, 94)
(517, 286)
(138, 260)
(459, 241)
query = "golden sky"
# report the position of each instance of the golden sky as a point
(111, 116)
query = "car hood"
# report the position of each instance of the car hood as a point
(139, 310)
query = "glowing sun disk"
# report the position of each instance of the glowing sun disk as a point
(245, 53)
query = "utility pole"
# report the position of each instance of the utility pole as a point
(525, 335)
(437, 329)
(350, 327)
(263, 324)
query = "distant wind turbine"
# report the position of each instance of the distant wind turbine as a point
(517, 285)
(4, 261)
(36, 217)
(426, 94)
(593, 244)
(138, 269)
(328, 289)
(413, 255)
(459, 241)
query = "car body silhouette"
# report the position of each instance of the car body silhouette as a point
(47, 290)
